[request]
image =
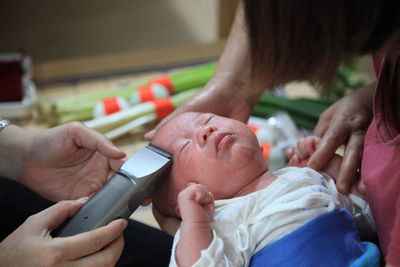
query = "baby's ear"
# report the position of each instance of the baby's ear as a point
(146, 202)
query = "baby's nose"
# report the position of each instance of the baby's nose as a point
(206, 132)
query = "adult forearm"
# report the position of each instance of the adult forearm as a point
(13, 143)
(234, 72)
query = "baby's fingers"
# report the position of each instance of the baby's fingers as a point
(197, 193)
(204, 197)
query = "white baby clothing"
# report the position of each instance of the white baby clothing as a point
(244, 225)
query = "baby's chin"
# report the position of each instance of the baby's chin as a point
(165, 209)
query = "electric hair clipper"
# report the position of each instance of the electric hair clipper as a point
(137, 179)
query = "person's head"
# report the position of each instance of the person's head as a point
(222, 154)
(308, 39)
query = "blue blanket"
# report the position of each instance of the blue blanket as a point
(330, 240)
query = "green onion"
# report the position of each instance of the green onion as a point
(304, 112)
(81, 107)
(131, 126)
(116, 120)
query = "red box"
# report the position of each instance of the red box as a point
(11, 78)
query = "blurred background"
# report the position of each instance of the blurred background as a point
(85, 31)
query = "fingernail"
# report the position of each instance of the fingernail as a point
(115, 148)
(149, 135)
(83, 199)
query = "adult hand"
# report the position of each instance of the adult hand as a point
(69, 162)
(32, 245)
(219, 96)
(344, 123)
(234, 90)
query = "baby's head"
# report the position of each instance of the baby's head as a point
(222, 154)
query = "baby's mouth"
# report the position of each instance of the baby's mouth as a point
(222, 140)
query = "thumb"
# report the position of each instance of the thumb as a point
(90, 139)
(53, 216)
(149, 135)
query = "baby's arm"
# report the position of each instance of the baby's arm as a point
(196, 207)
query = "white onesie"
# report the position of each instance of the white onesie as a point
(244, 225)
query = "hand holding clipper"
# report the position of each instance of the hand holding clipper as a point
(134, 182)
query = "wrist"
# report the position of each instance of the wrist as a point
(365, 95)
(195, 226)
(236, 91)
(194, 237)
(14, 142)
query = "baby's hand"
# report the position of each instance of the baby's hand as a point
(196, 204)
(300, 154)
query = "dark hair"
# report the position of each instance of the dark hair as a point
(308, 39)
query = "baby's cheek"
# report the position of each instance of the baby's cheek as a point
(188, 170)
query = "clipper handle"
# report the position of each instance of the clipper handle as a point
(136, 180)
(119, 198)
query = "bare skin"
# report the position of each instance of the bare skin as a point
(305, 148)
(32, 245)
(65, 162)
(300, 155)
(345, 123)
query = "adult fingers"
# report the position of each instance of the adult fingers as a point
(75, 247)
(351, 162)
(90, 139)
(361, 187)
(323, 122)
(333, 138)
(53, 216)
(106, 257)
(115, 164)
(203, 197)
(289, 153)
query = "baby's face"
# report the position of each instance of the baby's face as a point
(220, 153)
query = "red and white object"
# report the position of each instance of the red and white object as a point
(162, 108)
(165, 81)
(264, 133)
(14, 69)
(149, 92)
(109, 106)
(17, 91)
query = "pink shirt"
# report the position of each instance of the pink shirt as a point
(380, 168)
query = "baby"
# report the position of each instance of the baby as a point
(230, 204)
